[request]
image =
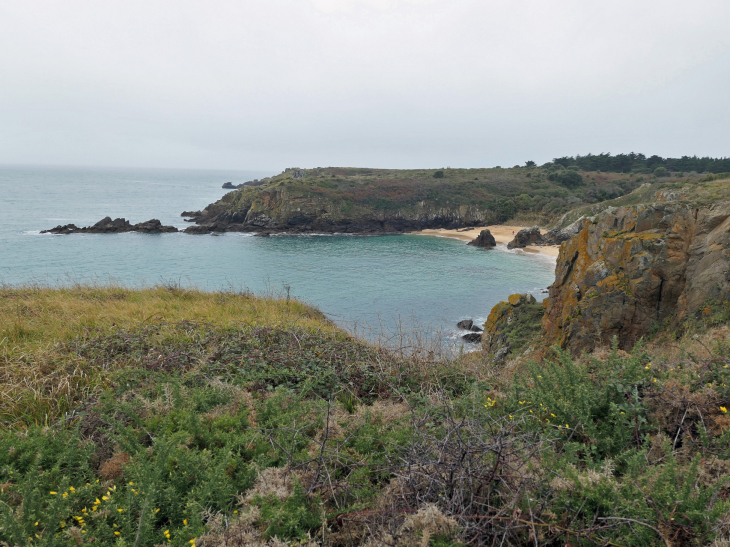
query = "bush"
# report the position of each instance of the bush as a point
(438, 174)
(661, 172)
(568, 178)
(600, 404)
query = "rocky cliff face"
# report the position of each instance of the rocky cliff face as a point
(631, 269)
(278, 210)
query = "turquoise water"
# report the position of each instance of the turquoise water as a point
(369, 283)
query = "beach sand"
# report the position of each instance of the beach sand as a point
(502, 234)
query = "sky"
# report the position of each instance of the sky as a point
(269, 84)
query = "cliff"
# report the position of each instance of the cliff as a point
(359, 200)
(632, 269)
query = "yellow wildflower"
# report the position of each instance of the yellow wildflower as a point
(724, 410)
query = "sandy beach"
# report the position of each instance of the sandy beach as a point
(502, 235)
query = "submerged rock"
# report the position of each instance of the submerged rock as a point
(484, 239)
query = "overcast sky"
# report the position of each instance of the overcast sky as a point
(267, 84)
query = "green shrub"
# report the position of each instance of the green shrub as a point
(597, 405)
(661, 172)
(292, 518)
(438, 174)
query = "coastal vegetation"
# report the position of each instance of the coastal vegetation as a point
(334, 199)
(168, 416)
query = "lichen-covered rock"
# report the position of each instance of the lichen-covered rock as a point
(511, 325)
(632, 268)
(527, 236)
(484, 239)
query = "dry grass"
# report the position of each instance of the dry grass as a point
(33, 318)
(41, 379)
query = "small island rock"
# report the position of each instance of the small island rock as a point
(466, 324)
(109, 226)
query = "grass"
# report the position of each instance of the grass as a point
(176, 417)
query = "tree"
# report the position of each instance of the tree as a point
(661, 172)
(530, 163)
(570, 178)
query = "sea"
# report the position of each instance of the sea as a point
(388, 288)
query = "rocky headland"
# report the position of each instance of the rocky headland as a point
(109, 226)
(376, 201)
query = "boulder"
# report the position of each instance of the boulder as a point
(484, 239)
(466, 324)
(527, 236)
(472, 337)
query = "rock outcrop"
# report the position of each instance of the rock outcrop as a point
(484, 239)
(558, 235)
(109, 226)
(511, 325)
(632, 269)
(527, 236)
(468, 324)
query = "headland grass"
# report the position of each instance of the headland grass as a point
(168, 416)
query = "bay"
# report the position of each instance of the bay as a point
(374, 285)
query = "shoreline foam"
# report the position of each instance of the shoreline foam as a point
(502, 234)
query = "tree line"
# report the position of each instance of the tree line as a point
(639, 163)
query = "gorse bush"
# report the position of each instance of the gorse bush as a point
(596, 404)
(243, 434)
